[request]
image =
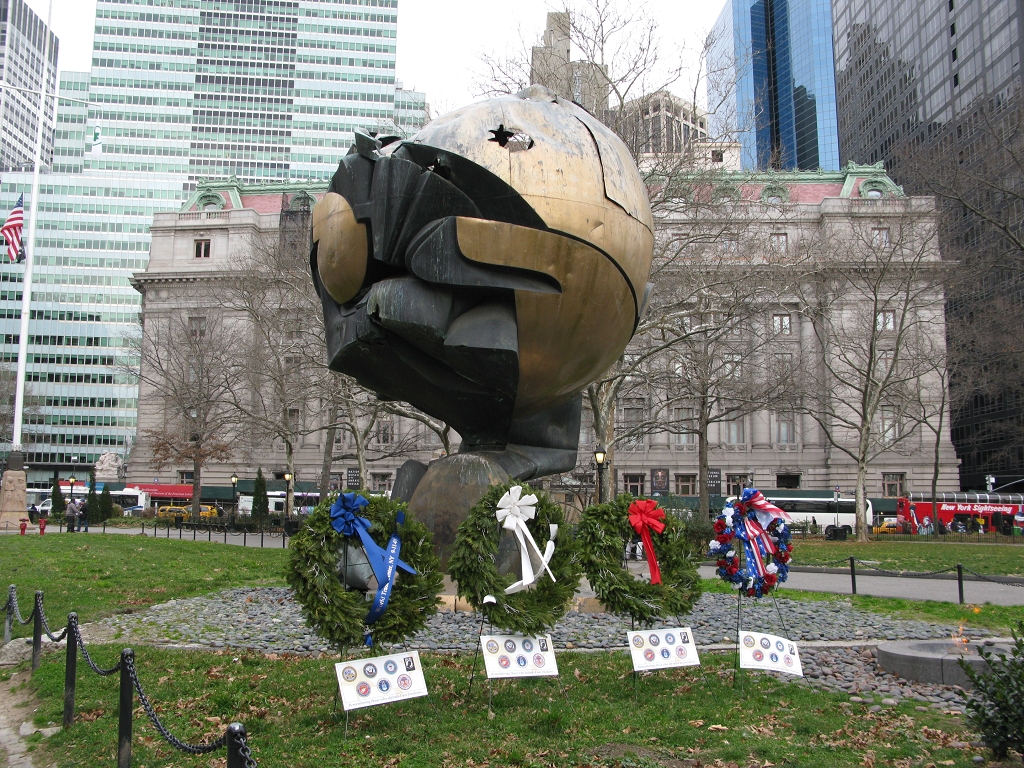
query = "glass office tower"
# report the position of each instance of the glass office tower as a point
(24, 42)
(904, 69)
(772, 87)
(179, 90)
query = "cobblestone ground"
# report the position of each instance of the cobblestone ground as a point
(269, 621)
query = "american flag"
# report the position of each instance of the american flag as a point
(11, 231)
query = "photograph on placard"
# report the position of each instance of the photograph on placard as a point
(518, 656)
(662, 649)
(769, 652)
(380, 680)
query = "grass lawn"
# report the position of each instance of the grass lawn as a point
(100, 575)
(999, 618)
(678, 718)
(998, 559)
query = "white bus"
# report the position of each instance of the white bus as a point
(822, 509)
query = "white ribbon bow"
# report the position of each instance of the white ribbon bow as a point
(512, 513)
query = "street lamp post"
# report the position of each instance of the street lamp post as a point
(288, 495)
(599, 458)
(234, 491)
(74, 521)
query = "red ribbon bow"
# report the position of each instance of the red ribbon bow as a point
(645, 515)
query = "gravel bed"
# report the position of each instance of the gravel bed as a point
(267, 619)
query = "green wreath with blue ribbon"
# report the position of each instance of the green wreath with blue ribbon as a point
(398, 550)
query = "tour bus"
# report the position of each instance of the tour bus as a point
(822, 508)
(962, 511)
(304, 502)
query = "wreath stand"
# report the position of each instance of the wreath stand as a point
(490, 683)
(739, 625)
(636, 675)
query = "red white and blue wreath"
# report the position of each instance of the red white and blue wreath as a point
(760, 528)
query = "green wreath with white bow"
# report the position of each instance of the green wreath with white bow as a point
(549, 565)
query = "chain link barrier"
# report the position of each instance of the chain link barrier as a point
(993, 581)
(73, 623)
(170, 738)
(12, 606)
(42, 620)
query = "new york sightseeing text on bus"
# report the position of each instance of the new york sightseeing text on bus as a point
(961, 512)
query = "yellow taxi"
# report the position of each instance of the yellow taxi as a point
(890, 526)
(174, 511)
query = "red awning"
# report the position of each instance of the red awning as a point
(161, 491)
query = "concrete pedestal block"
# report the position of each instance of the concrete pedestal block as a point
(13, 499)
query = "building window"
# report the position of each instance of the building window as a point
(684, 425)
(380, 482)
(294, 420)
(952, 29)
(954, 54)
(880, 237)
(734, 432)
(633, 484)
(197, 327)
(632, 423)
(894, 484)
(956, 79)
(785, 428)
(385, 433)
(781, 325)
(185, 476)
(729, 244)
(734, 484)
(686, 485)
(717, 156)
(202, 249)
(890, 423)
(787, 481)
(778, 242)
(731, 365)
(885, 320)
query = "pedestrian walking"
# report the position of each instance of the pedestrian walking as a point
(70, 515)
(83, 516)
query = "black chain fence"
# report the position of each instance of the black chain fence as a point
(234, 738)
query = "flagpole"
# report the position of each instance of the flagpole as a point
(29, 245)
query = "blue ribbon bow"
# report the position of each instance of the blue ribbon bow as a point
(384, 561)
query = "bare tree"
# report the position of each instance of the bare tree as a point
(871, 288)
(184, 364)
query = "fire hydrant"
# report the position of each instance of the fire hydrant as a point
(24, 525)
(42, 526)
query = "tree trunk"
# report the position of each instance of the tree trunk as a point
(360, 441)
(197, 486)
(863, 525)
(935, 457)
(325, 468)
(702, 459)
(289, 494)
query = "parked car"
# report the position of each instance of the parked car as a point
(186, 512)
(889, 526)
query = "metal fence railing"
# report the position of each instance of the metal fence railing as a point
(234, 738)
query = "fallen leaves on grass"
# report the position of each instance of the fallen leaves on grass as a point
(718, 727)
(93, 714)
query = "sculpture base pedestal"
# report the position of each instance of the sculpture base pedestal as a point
(13, 500)
(450, 487)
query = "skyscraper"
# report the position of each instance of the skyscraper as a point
(904, 69)
(179, 90)
(24, 41)
(772, 87)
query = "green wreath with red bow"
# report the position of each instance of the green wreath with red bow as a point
(674, 584)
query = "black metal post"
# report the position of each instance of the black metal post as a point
(225, 533)
(37, 631)
(70, 671)
(104, 526)
(960, 581)
(284, 537)
(236, 738)
(195, 527)
(245, 535)
(124, 712)
(853, 576)
(261, 535)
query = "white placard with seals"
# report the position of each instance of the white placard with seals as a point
(380, 680)
(761, 651)
(518, 656)
(663, 649)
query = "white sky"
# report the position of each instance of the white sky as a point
(439, 41)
